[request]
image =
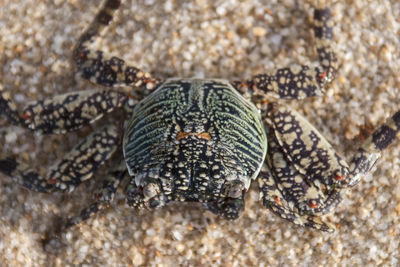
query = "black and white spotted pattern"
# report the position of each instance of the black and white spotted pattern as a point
(300, 81)
(77, 166)
(71, 111)
(101, 68)
(303, 145)
(301, 187)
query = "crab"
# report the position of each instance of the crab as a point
(198, 140)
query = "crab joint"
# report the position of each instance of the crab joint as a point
(277, 200)
(322, 75)
(26, 115)
(339, 177)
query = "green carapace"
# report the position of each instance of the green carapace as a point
(195, 140)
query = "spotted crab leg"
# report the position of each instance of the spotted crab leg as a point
(370, 151)
(305, 177)
(273, 197)
(104, 69)
(76, 166)
(63, 113)
(300, 81)
(103, 198)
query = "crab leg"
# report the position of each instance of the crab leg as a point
(71, 111)
(272, 197)
(8, 107)
(308, 151)
(306, 177)
(291, 194)
(300, 81)
(104, 197)
(62, 113)
(77, 166)
(370, 150)
(104, 69)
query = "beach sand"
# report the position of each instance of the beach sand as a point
(225, 39)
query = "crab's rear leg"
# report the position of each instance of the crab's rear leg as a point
(300, 81)
(76, 166)
(104, 69)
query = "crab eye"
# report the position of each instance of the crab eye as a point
(151, 190)
(235, 191)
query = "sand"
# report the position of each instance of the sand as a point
(225, 39)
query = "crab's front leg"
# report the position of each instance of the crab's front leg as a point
(291, 194)
(102, 68)
(304, 176)
(300, 81)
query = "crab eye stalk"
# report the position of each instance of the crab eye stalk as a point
(151, 190)
(236, 190)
